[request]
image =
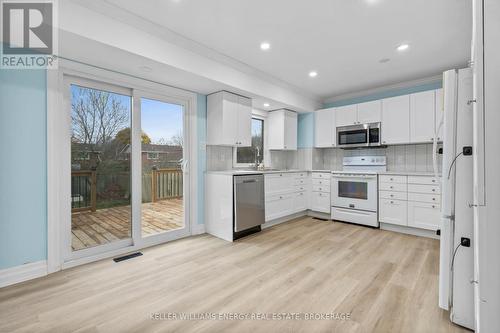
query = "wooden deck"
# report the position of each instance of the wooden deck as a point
(111, 224)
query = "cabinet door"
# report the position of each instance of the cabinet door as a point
(346, 115)
(230, 109)
(370, 112)
(277, 183)
(396, 120)
(290, 130)
(244, 123)
(423, 215)
(325, 129)
(439, 111)
(299, 201)
(320, 202)
(422, 121)
(279, 206)
(393, 211)
(276, 130)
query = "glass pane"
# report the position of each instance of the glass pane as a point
(255, 153)
(162, 160)
(100, 167)
(352, 137)
(354, 190)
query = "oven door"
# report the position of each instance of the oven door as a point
(353, 136)
(354, 192)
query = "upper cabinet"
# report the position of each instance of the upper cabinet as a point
(282, 133)
(422, 120)
(229, 120)
(325, 128)
(396, 120)
(346, 115)
(369, 112)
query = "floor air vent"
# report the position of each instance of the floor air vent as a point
(128, 256)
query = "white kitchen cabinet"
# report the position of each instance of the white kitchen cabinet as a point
(423, 215)
(278, 206)
(300, 201)
(282, 130)
(369, 112)
(346, 115)
(396, 120)
(325, 130)
(393, 211)
(422, 120)
(277, 183)
(229, 120)
(320, 202)
(439, 111)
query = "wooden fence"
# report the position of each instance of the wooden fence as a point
(160, 184)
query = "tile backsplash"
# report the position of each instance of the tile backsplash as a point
(410, 158)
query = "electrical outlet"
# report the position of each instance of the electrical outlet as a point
(467, 150)
(465, 242)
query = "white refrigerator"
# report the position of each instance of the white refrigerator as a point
(456, 271)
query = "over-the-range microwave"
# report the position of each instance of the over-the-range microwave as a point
(362, 135)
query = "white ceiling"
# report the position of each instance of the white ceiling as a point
(341, 39)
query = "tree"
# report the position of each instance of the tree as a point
(177, 140)
(123, 137)
(96, 115)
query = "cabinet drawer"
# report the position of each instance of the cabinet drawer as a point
(321, 188)
(320, 202)
(426, 189)
(430, 198)
(300, 175)
(392, 195)
(424, 180)
(300, 181)
(398, 187)
(278, 206)
(299, 202)
(393, 211)
(300, 188)
(321, 175)
(321, 182)
(392, 179)
(423, 215)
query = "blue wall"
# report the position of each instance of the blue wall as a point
(305, 131)
(23, 189)
(386, 94)
(202, 154)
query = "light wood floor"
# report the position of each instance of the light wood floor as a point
(388, 282)
(106, 225)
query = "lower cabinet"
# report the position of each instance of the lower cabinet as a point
(412, 201)
(423, 215)
(320, 202)
(300, 202)
(278, 206)
(393, 211)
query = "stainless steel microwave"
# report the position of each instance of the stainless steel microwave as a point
(363, 135)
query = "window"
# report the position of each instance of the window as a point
(255, 153)
(153, 156)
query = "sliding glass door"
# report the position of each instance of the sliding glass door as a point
(127, 175)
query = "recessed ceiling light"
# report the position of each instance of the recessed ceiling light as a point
(264, 46)
(313, 73)
(266, 105)
(403, 47)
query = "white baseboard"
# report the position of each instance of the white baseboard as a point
(13, 275)
(324, 216)
(409, 230)
(198, 229)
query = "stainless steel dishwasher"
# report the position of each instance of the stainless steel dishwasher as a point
(249, 211)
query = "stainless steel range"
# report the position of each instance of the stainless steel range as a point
(355, 190)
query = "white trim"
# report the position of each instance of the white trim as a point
(409, 230)
(13, 275)
(319, 215)
(198, 229)
(58, 166)
(400, 85)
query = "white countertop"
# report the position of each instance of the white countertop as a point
(237, 172)
(408, 173)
